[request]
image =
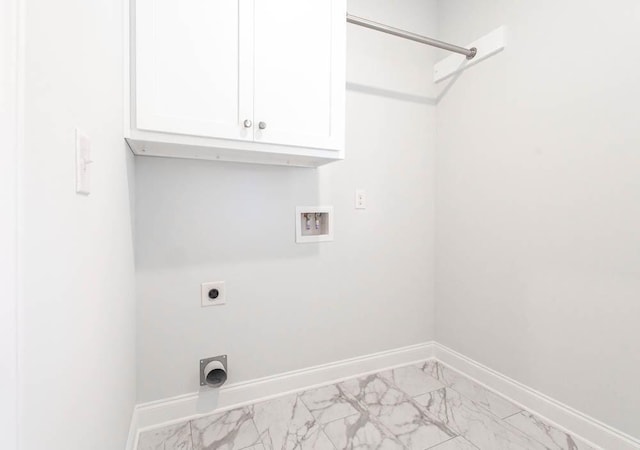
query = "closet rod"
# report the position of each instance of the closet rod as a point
(469, 53)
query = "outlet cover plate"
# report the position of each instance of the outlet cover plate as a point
(204, 293)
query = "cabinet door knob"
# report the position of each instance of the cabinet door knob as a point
(262, 125)
(248, 123)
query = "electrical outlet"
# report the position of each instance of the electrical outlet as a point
(361, 199)
(212, 293)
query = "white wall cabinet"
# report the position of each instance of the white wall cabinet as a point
(238, 80)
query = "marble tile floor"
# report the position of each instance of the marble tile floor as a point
(422, 406)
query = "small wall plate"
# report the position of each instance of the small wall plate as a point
(314, 224)
(206, 299)
(205, 361)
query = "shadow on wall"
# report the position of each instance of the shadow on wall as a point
(193, 212)
(408, 97)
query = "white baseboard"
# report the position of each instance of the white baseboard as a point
(184, 407)
(559, 414)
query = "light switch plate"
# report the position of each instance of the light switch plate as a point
(83, 163)
(206, 298)
(361, 199)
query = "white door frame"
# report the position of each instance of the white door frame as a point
(10, 141)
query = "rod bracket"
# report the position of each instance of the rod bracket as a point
(472, 53)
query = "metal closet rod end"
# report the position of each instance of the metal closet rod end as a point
(472, 53)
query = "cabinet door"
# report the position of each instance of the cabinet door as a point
(188, 55)
(300, 72)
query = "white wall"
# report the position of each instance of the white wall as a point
(77, 289)
(9, 141)
(538, 201)
(292, 306)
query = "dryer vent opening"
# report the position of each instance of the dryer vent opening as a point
(213, 371)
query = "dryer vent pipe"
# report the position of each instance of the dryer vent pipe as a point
(215, 374)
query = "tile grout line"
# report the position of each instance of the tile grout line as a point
(443, 442)
(193, 444)
(321, 425)
(370, 418)
(411, 399)
(328, 438)
(572, 436)
(449, 440)
(485, 389)
(253, 421)
(488, 410)
(504, 419)
(511, 415)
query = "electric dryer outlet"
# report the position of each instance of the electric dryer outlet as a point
(213, 293)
